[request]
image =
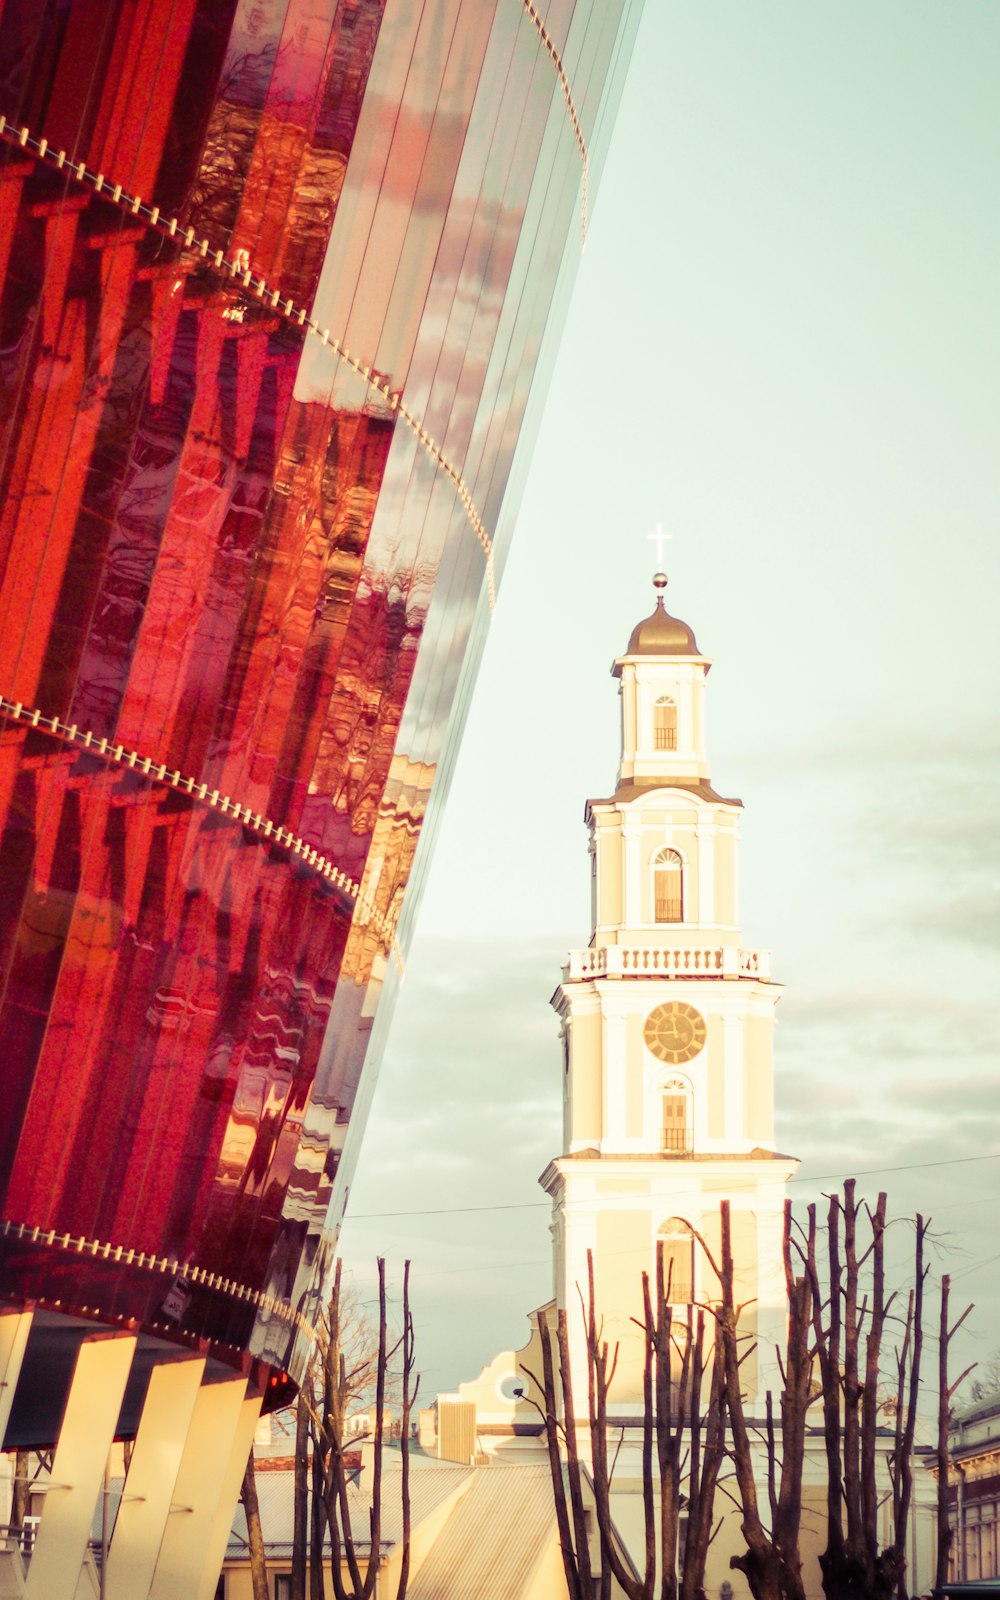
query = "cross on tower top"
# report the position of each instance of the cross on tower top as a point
(659, 538)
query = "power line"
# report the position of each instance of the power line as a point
(914, 1166)
(446, 1211)
(541, 1205)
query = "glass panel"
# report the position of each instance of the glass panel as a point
(246, 594)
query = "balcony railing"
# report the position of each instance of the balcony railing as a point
(665, 738)
(676, 1141)
(658, 961)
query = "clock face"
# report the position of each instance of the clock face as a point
(674, 1032)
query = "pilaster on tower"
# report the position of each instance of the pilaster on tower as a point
(667, 1022)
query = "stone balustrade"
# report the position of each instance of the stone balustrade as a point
(674, 961)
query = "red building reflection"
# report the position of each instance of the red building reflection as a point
(208, 662)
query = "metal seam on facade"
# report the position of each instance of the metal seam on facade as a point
(262, 826)
(217, 261)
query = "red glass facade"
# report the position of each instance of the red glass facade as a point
(242, 562)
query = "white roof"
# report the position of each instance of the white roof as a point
(431, 1483)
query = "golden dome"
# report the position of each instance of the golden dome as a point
(661, 634)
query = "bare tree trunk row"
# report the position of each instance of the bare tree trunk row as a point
(321, 1480)
(844, 1339)
(686, 1436)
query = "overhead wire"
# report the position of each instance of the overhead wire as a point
(541, 1205)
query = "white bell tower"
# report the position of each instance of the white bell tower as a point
(667, 1023)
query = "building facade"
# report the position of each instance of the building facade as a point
(974, 1492)
(279, 285)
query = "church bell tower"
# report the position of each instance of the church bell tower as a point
(667, 1024)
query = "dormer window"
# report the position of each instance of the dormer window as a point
(665, 724)
(668, 887)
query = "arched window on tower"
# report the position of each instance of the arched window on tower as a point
(668, 887)
(676, 1244)
(664, 724)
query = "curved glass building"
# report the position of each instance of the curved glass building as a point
(280, 284)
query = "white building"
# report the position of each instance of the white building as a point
(667, 1028)
(667, 1024)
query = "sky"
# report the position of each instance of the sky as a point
(784, 347)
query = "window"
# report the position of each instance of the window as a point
(282, 1586)
(668, 887)
(676, 1245)
(980, 1546)
(664, 724)
(676, 1135)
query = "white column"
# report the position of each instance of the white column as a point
(14, 1328)
(152, 1475)
(632, 885)
(735, 1124)
(88, 1427)
(629, 730)
(680, 693)
(581, 1235)
(705, 832)
(613, 1073)
(205, 1464)
(697, 692)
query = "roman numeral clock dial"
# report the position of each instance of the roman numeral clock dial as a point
(674, 1032)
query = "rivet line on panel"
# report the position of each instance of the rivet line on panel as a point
(167, 1267)
(556, 60)
(238, 268)
(262, 826)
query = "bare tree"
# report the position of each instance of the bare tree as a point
(255, 1536)
(945, 1531)
(840, 1326)
(986, 1384)
(330, 1447)
(684, 1424)
(850, 1314)
(352, 1362)
(772, 1563)
(852, 1349)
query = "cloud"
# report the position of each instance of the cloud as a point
(468, 1105)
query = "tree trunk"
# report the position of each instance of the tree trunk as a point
(907, 1398)
(300, 1500)
(255, 1537)
(317, 1527)
(22, 1479)
(760, 1564)
(674, 1419)
(550, 1419)
(944, 1528)
(409, 1397)
(772, 1564)
(331, 1501)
